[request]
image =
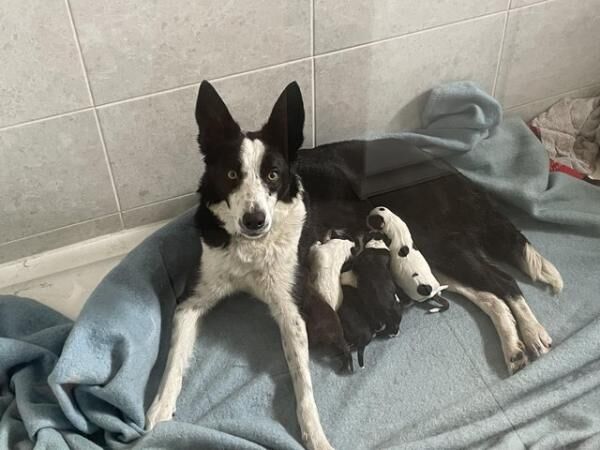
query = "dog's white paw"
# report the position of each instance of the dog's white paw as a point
(516, 358)
(537, 340)
(312, 432)
(160, 411)
(316, 441)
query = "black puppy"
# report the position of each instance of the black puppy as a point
(376, 288)
(357, 331)
(323, 326)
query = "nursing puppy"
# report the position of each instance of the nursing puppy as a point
(376, 288)
(326, 261)
(323, 326)
(357, 331)
(323, 295)
(252, 221)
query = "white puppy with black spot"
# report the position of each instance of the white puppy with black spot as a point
(409, 267)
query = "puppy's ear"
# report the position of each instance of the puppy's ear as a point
(215, 124)
(285, 128)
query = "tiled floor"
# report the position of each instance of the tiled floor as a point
(64, 278)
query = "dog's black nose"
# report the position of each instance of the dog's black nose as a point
(424, 289)
(375, 221)
(254, 221)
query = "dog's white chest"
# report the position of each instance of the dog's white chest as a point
(260, 265)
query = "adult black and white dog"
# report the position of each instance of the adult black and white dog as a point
(252, 215)
(263, 204)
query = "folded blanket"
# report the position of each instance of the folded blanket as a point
(442, 382)
(463, 125)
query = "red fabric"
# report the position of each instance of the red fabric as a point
(555, 166)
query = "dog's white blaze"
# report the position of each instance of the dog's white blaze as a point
(252, 194)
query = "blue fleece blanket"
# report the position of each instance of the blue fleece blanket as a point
(441, 383)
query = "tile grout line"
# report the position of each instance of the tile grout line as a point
(409, 34)
(80, 53)
(46, 118)
(251, 71)
(158, 202)
(532, 5)
(42, 233)
(104, 216)
(96, 118)
(155, 93)
(559, 94)
(312, 73)
(108, 165)
(267, 67)
(212, 80)
(501, 50)
(242, 73)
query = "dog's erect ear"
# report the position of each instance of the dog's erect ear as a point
(215, 123)
(285, 126)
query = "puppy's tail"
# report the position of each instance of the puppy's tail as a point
(361, 356)
(444, 304)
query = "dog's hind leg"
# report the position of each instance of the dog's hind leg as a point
(539, 268)
(534, 335)
(502, 318)
(295, 347)
(503, 241)
(183, 336)
(478, 273)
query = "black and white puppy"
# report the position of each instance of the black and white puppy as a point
(251, 217)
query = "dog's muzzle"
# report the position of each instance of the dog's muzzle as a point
(254, 224)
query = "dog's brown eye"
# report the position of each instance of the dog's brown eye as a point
(232, 175)
(273, 175)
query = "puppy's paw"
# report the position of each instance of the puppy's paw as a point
(160, 411)
(516, 358)
(537, 340)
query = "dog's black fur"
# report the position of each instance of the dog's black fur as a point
(458, 226)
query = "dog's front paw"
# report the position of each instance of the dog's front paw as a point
(537, 340)
(160, 411)
(316, 442)
(516, 358)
